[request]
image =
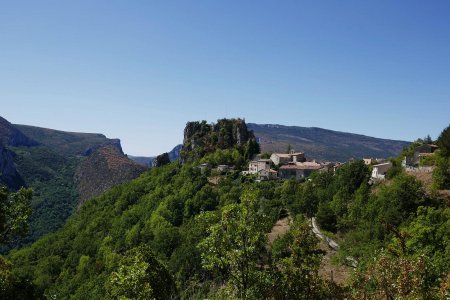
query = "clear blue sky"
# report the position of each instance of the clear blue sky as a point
(139, 70)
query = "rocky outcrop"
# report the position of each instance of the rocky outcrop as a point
(104, 168)
(161, 160)
(11, 136)
(201, 138)
(8, 172)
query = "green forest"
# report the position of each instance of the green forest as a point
(172, 234)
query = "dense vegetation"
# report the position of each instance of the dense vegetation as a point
(48, 161)
(51, 177)
(170, 233)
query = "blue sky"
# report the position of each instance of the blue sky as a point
(139, 70)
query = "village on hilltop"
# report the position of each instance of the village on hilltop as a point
(294, 165)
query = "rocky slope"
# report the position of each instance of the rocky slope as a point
(323, 144)
(106, 167)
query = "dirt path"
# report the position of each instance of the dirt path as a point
(328, 270)
(280, 228)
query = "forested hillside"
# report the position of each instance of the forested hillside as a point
(55, 164)
(172, 233)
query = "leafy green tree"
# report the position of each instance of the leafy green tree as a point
(307, 199)
(6, 278)
(297, 276)
(350, 176)
(235, 244)
(443, 142)
(396, 274)
(140, 276)
(326, 217)
(441, 174)
(288, 148)
(266, 155)
(14, 213)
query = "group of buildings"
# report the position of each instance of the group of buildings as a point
(409, 163)
(294, 165)
(289, 165)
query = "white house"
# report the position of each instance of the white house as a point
(379, 171)
(262, 169)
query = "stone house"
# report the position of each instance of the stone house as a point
(298, 170)
(419, 153)
(369, 161)
(262, 169)
(204, 168)
(267, 174)
(223, 168)
(291, 157)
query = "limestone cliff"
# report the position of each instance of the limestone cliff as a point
(201, 138)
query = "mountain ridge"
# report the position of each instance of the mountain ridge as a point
(58, 166)
(324, 144)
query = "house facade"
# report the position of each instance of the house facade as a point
(261, 168)
(298, 170)
(291, 157)
(419, 153)
(379, 171)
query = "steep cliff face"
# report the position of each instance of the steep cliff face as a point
(104, 168)
(8, 172)
(11, 136)
(201, 138)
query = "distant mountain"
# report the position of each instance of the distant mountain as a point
(64, 169)
(67, 143)
(324, 144)
(145, 161)
(12, 136)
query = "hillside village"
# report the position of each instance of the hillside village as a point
(182, 217)
(294, 165)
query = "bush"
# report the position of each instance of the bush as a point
(326, 217)
(441, 175)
